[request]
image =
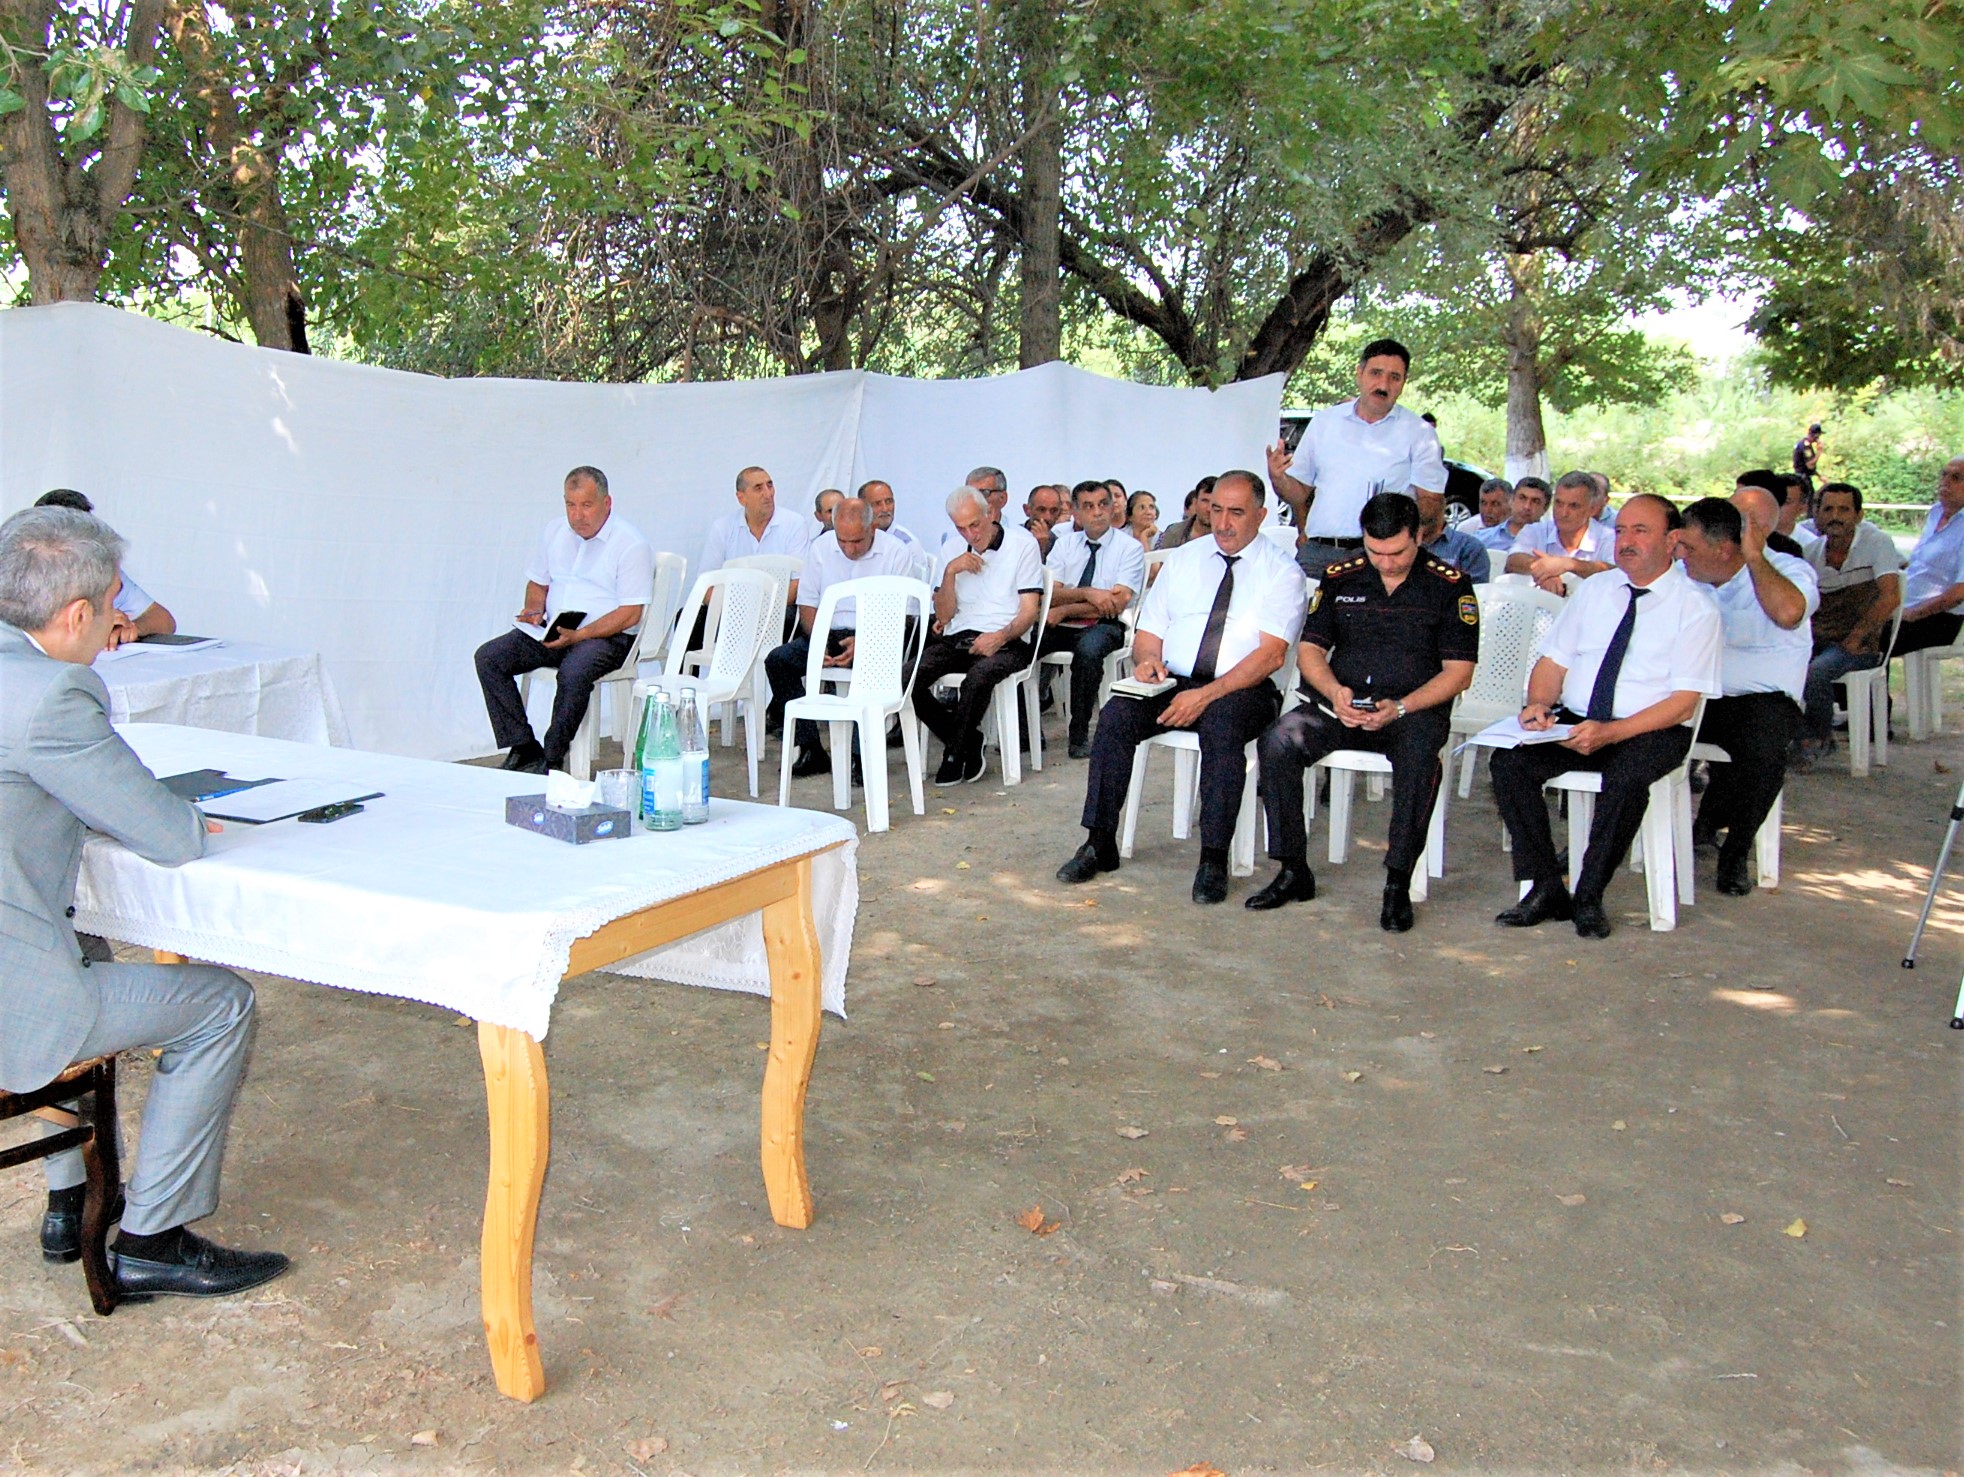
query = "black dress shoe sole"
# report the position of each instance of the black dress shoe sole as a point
(1396, 920)
(1590, 925)
(1083, 869)
(1209, 891)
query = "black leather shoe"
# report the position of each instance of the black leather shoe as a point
(1704, 834)
(523, 756)
(1591, 922)
(1735, 876)
(1080, 748)
(1292, 884)
(1545, 900)
(1210, 882)
(974, 765)
(1395, 916)
(858, 774)
(1085, 864)
(810, 762)
(61, 1231)
(200, 1269)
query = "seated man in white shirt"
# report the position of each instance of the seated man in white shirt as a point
(1567, 541)
(853, 550)
(1098, 569)
(823, 507)
(986, 599)
(1219, 621)
(1764, 599)
(591, 562)
(1489, 522)
(1933, 584)
(1859, 570)
(993, 484)
(1625, 663)
(137, 615)
(878, 496)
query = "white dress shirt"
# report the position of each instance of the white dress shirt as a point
(1347, 459)
(1759, 656)
(1121, 560)
(1674, 644)
(988, 601)
(1871, 555)
(902, 535)
(615, 567)
(1598, 542)
(1499, 537)
(1937, 561)
(730, 538)
(1268, 600)
(827, 564)
(132, 600)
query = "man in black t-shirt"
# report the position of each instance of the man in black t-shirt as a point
(1391, 639)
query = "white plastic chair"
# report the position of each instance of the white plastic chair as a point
(1766, 843)
(1868, 705)
(1513, 621)
(1115, 663)
(1010, 698)
(1185, 746)
(891, 614)
(1344, 765)
(671, 584)
(752, 613)
(579, 757)
(783, 568)
(1923, 687)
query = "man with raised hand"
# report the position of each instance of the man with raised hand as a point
(1218, 623)
(1624, 664)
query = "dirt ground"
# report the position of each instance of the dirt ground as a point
(1682, 1203)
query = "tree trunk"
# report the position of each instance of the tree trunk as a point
(1527, 442)
(1040, 266)
(63, 211)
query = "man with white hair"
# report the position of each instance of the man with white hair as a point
(986, 596)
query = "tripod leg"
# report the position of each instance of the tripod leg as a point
(1936, 878)
(1957, 1011)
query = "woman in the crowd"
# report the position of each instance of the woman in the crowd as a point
(1142, 518)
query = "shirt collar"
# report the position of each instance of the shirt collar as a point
(996, 542)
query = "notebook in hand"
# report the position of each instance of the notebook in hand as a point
(1135, 687)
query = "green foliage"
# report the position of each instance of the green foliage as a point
(84, 76)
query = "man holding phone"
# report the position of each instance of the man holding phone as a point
(584, 596)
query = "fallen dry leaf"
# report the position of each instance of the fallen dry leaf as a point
(1531, 1050)
(1619, 1125)
(949, 810)
(1307, 1185)
(1237, 1135)
(1226, 1121)
(1266, 1063)
(463, 1020)
(1164, 1288)
(1133, 1131)
(871, 1351)
(961, 866)
(1418, 1449)
(939, 1399)
(1296, 1172)
(1210, 1076)
(1901, 1184)
(649, 1449)
(925, 1076)
(1353, 1076)
(1494, 1071)
(1573, 1200)
(1428, 1035)
(891, 1389)
(1731, 1218)
(1032, 1221)
(1200, 1469)
(1130, 1176)
(423, 1438)
(925, 980)
(1798, 1229)
(664, 1307)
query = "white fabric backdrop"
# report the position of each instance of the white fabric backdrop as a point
(385, 519)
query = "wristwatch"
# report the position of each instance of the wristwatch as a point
(1400, 706)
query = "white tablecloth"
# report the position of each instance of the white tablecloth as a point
(429, 895)
(234, 687)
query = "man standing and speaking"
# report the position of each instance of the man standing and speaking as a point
(1351, 452)
(64, 772)
(591, 564)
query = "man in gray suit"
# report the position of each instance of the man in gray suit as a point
(63, 772)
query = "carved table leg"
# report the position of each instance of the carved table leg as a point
(791, 940)
(521, 1114)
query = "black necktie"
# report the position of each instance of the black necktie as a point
(1090, 564)
(1210, 640)
(1602, 697)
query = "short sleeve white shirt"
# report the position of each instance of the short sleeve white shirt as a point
(615, 567)
(827, 564)
(1871, 555)
(730, 538)
(1759, 656)
(1674, 644)
(132, 599)
(1268, 600)
(1598, 542)
(989, 600)
(1937, 561)
(1121, 560)
(1348, 459)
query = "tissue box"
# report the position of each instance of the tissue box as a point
(593, 823)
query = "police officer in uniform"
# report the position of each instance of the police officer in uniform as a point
(1391, 640)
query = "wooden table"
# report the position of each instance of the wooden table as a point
(274, 869)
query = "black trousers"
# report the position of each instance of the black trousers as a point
(945, 654)
(1088, 646)
(1628, 769)
(1933, 630)
(503, 659)
(1756, 729)
(1225, 730)
(1306, 734)
(785, 666)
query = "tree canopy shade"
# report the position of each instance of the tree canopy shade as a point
(704, 188)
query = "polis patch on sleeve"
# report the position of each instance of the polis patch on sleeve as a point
(1469, 610)
(1315, 599)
